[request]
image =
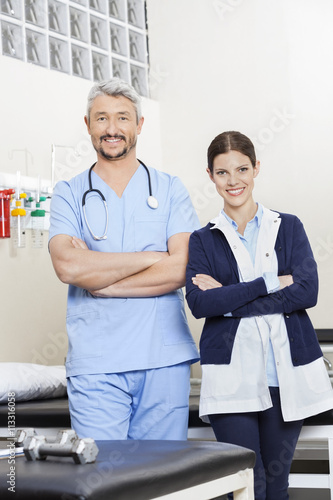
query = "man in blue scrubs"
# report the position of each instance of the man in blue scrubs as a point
(130, 348)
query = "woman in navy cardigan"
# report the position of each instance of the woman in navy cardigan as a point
(251, 274)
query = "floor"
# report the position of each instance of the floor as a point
(309, 494)
(298, 494)
(299, 466)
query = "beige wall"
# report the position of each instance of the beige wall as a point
(261, 67)
(258, 66)
(33, 305)
(40, 108)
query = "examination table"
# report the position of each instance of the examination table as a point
(124, 470)
(49, 415)
(140, 470)
(39, 413)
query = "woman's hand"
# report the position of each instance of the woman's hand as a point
(286, 280)
(205, 282)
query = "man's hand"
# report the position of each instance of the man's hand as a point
(78, 243)
(164, 276)
(77, 265)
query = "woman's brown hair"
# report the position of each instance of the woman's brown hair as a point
(230, 141)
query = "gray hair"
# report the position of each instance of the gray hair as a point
(115, 88)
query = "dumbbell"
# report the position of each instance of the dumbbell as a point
(62, 436)
(68, 445)
(22, 435)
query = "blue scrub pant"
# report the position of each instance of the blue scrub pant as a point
(144, 404)
(272, 439)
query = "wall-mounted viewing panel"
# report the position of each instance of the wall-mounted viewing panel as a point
(91, 39)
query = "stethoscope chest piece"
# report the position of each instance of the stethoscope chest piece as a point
(152, 202)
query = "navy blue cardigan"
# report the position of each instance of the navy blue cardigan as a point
(209, 253)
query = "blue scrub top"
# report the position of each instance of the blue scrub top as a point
(112, 335)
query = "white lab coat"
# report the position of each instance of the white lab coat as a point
(241, 386)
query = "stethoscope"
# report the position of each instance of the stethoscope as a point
(151, 202)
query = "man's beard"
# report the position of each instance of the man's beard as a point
(122, 154)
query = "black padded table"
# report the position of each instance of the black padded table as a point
(126, 470)
(39, 413)
(325, 418)
(54, 413)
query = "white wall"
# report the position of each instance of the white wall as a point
(40, 108)
(261, 67)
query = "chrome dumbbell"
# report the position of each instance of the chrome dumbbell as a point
(67, 444)
(22, 435)
(62, 436)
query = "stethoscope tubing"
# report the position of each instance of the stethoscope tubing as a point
(151, 201)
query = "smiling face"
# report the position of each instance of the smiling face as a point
(113, 127)
(233, 175)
